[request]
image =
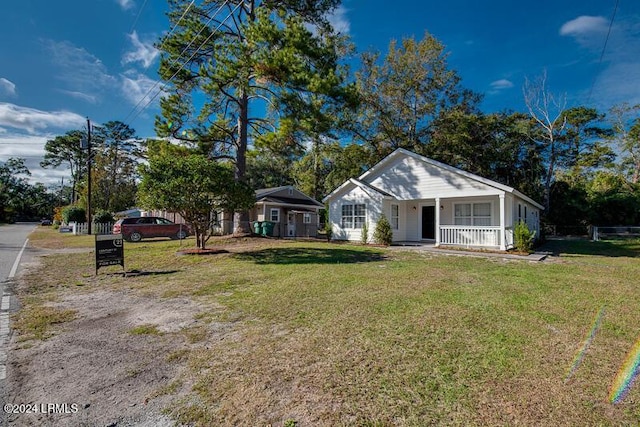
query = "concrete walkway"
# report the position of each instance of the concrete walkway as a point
(427, 247)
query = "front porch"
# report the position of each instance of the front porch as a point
(469, 222)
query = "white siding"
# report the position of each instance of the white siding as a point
(411, 184)
(401, 233)
(413, 216)
(409, 179)
(353, 195)
(533, 214)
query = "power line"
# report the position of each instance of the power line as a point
(135, 21)
(133, 113)
(133, 25)
(604, 48)
(186, 62)
(181, 17)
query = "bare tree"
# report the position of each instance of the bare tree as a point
(547, 110)
(626, 126)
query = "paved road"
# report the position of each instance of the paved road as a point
(12, 245)
(12, 238)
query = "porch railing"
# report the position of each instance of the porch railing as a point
(469, 235)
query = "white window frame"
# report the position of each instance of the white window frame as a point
(519, 212)
(359, 217)
(277, 214)
(348, 217)
(306, 218)
(472, 217)
(395, 219)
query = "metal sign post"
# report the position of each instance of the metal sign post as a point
(109, 251)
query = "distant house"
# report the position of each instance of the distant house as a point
(129, 213)
(429, 201)
(294, 213)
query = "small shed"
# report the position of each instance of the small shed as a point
(294, 213)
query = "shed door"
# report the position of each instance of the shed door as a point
(291, 224)
(428, 222)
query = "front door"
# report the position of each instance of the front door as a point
(429, 222)
(291, 224)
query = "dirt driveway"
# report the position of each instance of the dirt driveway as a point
(119, 363)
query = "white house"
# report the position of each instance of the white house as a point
(426, 200)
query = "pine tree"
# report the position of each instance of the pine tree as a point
(246, 70)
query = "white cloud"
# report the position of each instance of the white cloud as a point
(584, 25)
(619, 77)
(126, 4)
(501, 84)
(31, 149)
(26, 146)
(588, 31)
(7, 87)
(143, 52)
(80, 70)
(139, 89)
(339, 20)
(79, 95)
(31, 120)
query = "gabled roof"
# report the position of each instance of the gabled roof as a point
(268, 195)
(261, 192)
(402, 152)
(366, 187)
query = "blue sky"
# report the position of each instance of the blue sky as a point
(61, 61)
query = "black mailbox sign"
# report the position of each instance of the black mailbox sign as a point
(109, 251)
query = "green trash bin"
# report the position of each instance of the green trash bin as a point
(267, 228)
(257, 227)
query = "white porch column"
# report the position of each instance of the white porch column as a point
(503, 246)
(437, 221)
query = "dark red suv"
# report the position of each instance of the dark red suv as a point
(136, 229)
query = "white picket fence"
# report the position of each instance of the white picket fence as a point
(96, 228)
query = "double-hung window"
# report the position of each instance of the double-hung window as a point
(394, 217)
(347, 216)
(472, 214)
(274, 215)
(353, 215)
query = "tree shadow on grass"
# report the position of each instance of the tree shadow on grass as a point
(310, 256)
(612, 248)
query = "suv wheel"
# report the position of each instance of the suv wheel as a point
(135, 236)
(181, 235)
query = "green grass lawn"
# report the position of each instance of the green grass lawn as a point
(336, 334)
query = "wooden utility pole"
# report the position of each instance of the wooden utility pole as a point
(89, 219)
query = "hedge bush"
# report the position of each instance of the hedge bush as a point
(74, 214)
(383, 235)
